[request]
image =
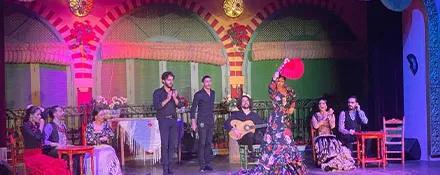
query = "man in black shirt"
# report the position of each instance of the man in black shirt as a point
(165, 102)
(203, 104)
(246, 113)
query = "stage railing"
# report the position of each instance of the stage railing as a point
(77, 117)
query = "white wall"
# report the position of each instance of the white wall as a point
(415, 105)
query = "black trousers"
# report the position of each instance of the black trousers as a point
(206, 132)
(52, 152)
(347, 140)
(248, 139)
(168, 140)
(251, 139)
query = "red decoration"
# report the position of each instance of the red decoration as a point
(183, 100)
(149, 124)
(39, 164)
(238, 34)
(83, 34)
(293, 69)
(84, 97)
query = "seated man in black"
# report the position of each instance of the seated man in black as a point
(246, 113)
(55, 136)
(350, 122)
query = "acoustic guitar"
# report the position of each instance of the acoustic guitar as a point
(244, 127)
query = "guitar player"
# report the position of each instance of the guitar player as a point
(245, 113)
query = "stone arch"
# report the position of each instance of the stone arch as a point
(118, 11)
(36, 55)
(40, 9)
(332, 39)
(340, 7)
(337, 7)
(142, 27)
(23, 48)
(130, 5)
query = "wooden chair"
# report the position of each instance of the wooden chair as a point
(394, 136)
(313, 135)
(354, 152)
(12, 151)
(243, 150)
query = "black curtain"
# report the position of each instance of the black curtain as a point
(385, 71)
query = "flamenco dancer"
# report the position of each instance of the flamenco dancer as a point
(279, 152)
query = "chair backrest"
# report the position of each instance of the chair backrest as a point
(11, 148)
(395, 138)
(394, 128)
(312, 140)
(312, 132)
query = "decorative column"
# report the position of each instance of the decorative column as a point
(238, 37)
(238, 34)
(35, 84)
(131, 95)
(83, 48)
(162, 69)
(194, 79)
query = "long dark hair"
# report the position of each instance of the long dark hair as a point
(241, 99)
(96, 111)
(30, 111)
(51, 111)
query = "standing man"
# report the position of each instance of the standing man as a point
(203, 104)
(165, 102)
(350, 121)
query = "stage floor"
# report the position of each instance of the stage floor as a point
(222, 167)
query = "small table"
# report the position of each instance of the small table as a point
(362, 156)
(72, 150)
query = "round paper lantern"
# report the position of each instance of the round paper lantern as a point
(293, 70)
(396, 5)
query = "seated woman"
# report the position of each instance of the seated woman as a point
(32, 131)
(34, 160)
(330, 153)
(99, 134)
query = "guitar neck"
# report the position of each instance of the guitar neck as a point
(259, 126)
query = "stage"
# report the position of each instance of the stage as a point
(221, 166)
(83, 64)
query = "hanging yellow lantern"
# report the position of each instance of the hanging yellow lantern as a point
(80, 8)
(233, 8)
